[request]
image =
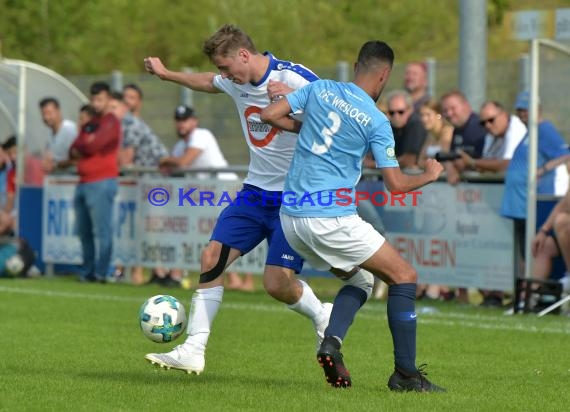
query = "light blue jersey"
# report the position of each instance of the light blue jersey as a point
(341, 124)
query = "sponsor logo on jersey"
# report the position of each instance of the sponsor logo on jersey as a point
(260, 134)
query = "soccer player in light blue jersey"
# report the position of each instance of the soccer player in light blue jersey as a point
(341, 124)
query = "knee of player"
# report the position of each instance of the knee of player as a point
(561, 225)
(273, 286)
(281, 282)
(272, 289)
(408, 275)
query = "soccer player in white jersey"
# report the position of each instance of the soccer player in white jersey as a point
(341, 124)
(244, 75)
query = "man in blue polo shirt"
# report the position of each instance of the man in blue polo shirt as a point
(551, 145)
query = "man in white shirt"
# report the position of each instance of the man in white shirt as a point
(63, 134)
(197, 147)
(249, 77)
(504, 133)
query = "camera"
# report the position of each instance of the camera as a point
(446, 156)
(450, 156)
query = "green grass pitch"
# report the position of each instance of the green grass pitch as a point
(70, 346)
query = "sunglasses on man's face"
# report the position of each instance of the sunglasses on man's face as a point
(490, 120)
(393, 112)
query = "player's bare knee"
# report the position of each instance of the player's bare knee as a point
(282, 285)
(561, 225)
(273, 289)
(279, 290)
(409, 275)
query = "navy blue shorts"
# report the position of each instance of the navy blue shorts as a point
(252, 217)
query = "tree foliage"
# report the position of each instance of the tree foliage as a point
(77, 36)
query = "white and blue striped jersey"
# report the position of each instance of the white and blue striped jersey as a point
(341, 124)
(270, 149)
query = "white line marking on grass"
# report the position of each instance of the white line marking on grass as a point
(475, 321)
(71, 295)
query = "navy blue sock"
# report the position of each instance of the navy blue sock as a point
(402, 322)
(347, 302)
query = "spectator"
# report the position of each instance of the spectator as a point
(63, 133)
(133, 96)
(468, 134)
(416, 84)
(7, 213)
(86, 114)
(33, 175)
(5, 166)
(439, 131)
(504, 133)
(551, 147)
(140, 146)
(198, 148)
(409, 133)
(96, 150)
(438, 140)
(553, 240)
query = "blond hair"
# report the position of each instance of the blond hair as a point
(226, 40)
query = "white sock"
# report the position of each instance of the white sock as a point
(203, 310)
(308, 305)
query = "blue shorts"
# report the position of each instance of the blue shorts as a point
(252, 217)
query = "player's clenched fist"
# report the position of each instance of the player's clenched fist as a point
(153, 65)
(433, 168)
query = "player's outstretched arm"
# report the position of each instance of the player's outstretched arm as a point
(396, 181)
(277, 114)
(202, 82)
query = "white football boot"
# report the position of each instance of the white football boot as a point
(182, 357)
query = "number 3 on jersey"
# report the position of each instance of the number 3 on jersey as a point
(327, 133)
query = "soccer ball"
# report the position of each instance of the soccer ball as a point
(162, 318)
(14, 265)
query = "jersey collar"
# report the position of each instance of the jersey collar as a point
(270, 67)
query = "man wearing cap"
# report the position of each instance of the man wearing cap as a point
(551, 146)
(197, 147)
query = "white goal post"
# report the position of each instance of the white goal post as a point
(535, 46)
